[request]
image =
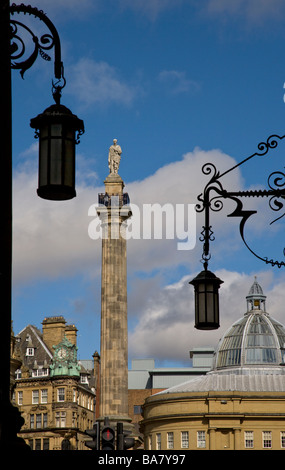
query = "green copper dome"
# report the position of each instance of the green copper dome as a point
(254, 340)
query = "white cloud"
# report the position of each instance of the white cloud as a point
(98, 82)
(166, 328)
(150, 8)
(177, 81)
(254, 11)
(51, 238)
(51, 241)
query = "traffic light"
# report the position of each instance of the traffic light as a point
(124, 442)
(95, 434)
(128, 441)
(108, 436)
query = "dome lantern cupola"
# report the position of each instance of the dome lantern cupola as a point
(255, 298)
(254, 341)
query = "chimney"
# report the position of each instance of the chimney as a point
(71, 333)
(53, 331)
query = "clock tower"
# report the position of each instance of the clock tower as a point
(65, 359)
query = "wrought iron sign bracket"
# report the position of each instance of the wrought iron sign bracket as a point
(213, 202)
(39, 46)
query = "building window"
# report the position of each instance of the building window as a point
(201, 439)
(35, 397)
(184, 440)
(30, 351)
(158, 441)
(20, 398)
(44, 395)
(83, 400)
(267, 439)
(32, 421)
(60, 394)
(248, 439)
(137, 409)
(282, 438)
(18, 374)
(170, 440)
(45, 420)
(60, 419)
(37, 444)
(38, 421)
(84, 378)
(45, 443)
(39, 372)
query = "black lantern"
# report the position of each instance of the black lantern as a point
(206, 288)
(56, 128)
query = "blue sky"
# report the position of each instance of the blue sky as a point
(179, 83)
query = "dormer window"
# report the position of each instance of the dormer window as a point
(84, 378)
(30, 351)
(40, 372)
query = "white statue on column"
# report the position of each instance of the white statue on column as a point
(114, 157)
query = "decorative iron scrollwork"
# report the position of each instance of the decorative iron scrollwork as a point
(207, 201)
(276, 181)
(20, 34)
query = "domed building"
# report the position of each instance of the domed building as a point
(239, 404)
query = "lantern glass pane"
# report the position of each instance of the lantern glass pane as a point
(210, 314)
(56, 130)
(201, 309)
(201, 287)
(69, 163)
(43, 163)
(56, 161)
(44, 132)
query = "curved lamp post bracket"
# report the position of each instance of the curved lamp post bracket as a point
(20, 33)
(208, 201)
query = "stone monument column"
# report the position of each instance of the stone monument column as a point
(113, 211)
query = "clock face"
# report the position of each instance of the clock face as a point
(62, 353)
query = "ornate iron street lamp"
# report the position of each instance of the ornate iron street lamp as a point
(56, 128)
(206, 284)
(206, 291)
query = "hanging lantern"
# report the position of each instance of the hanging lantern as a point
(56, 128)
(206, 290)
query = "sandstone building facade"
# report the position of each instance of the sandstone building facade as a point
(53, 391)
(239, 404)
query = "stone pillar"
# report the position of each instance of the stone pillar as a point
(212, 439)
(237, 438)
(113, 212)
